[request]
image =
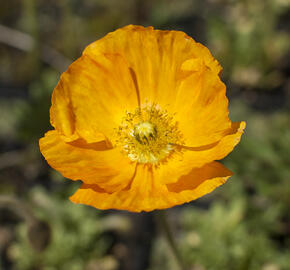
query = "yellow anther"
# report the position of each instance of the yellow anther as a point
(148, 135)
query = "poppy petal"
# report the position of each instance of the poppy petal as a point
(155, 58)
(93, 163)
(202, 107)
(92, 97)
(179, 165)
(145, 194)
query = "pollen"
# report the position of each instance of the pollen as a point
(148, 134)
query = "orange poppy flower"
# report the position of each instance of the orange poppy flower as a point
(140, 119)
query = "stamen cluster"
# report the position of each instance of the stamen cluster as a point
(148, 135)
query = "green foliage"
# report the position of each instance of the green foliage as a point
(220, 238)
(248, 44)
(37, 109)
(76, 235)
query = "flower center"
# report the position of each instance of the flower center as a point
(145, 132)
(148, 135)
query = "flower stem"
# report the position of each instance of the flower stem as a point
(163, 224)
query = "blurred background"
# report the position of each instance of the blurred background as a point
(243, 225)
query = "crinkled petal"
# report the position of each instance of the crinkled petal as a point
(92, 97)
(146, 194)
(155, 58)
(62, 116)
(93, 163)
(181, 164)
(202, 106)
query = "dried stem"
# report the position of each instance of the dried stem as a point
(26, 43)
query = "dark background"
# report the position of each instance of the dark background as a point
(243, 225)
